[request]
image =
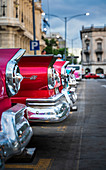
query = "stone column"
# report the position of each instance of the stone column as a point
(10, 8)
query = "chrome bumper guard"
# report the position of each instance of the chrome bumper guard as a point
(54, 109)
(72, 83)
(72, 94)
(16, 131)
(73, 97)
(67, 96)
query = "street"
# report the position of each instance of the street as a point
(77, 143)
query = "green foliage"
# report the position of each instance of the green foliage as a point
(50, 50)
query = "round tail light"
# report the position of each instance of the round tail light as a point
(13, 78)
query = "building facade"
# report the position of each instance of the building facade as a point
(58, 38)
(94, 49)
(16, 24)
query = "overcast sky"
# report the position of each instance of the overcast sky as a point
(68, 8)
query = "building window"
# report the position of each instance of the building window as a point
(87, 58)
(99, 57)
(16, 8)
(87, 46)
(3, 9)
(99, 45)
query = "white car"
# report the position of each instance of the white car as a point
(101, 75)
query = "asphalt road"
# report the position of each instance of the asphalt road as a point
(77, 143)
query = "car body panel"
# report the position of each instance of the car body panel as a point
(30, 67)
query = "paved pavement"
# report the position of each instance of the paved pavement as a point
(77, 143)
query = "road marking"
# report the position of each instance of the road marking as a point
(43, 164)
(103, 86)
(61, 128)
(44, 127)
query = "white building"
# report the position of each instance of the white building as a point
(75, 52)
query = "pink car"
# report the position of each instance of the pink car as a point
(76, 74)
(15, 131)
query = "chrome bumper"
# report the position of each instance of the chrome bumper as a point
(16, 131)
(54, 109)
(73, 96)
(72, 84)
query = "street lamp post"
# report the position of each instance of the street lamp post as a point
(34, 31)
(72, 49)
(66, 19)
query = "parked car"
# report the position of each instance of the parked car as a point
(72, 79)
(72, 84)
(15, 131)
(60, 67)
(102, 76)
(40, 90)
(91, 75)
(78, 70)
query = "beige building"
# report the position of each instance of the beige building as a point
(94, 49)
(16, 24)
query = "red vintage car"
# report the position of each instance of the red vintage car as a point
(65, 87)
(91, 75)
(60, 67)
(40, 90)
(15, 131)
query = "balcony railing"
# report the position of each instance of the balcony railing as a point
(99, 50)
(94, 63)
(86, 50)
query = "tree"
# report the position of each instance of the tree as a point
(50, 47)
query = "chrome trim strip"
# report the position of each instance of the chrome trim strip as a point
(47, 100)
(41, 104)
(46, 55)
(18, 55)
